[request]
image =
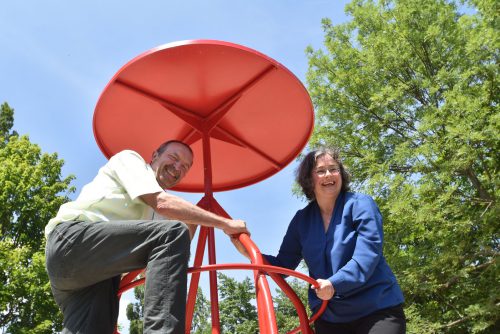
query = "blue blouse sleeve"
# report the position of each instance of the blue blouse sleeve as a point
(367, 222)
(290, 253)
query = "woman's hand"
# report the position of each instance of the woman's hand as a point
(325, 290)
(239, 246)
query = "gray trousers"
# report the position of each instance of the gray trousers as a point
(85, 262)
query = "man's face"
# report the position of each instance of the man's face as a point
(172, 164)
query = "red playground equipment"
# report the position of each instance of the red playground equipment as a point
(243, 112)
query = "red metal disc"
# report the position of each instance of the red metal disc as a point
(257, 114)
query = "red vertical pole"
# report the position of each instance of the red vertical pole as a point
(265, 307)
(267, 317)
(195, 278)
(214, 297)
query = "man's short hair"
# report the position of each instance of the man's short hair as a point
(164, 146)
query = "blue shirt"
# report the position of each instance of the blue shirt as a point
(349, 254)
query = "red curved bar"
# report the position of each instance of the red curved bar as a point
(301, 311)
(128, 278)
(255, 253)
(267, 319)
(234, 266)
(246, 266)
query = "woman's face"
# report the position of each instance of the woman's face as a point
(326, 177)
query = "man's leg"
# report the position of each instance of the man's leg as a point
(166, 285)
(80, 255)
(93, 309)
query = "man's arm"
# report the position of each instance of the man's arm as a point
(174, 207)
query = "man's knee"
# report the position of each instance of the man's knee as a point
(180, 227)
(186, 237)
(178, 232)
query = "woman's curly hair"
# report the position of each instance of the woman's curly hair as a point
(303, 174)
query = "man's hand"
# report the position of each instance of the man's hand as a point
(235, 226)
(325, 290)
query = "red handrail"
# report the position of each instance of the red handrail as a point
(267, 319)
(247, 266)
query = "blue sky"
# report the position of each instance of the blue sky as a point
(57, 56)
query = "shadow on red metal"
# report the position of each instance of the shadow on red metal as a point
(256, 113)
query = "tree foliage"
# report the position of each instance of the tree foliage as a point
(201, 317)
(237, 313)
(408, 91)
(135, 311)
(30, 193)
(202, 323)
(286, 314)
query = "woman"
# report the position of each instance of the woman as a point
(339, 235)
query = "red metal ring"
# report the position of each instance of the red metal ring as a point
(246, 266)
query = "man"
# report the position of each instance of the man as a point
(109, 230)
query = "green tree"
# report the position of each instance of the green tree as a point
(201, 317)
(286, 314)
(135, 311)
(408, 91)
(30, 193)
(237, 313)
(202, 323)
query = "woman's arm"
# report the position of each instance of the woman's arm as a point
(367, 222)
(290, 253)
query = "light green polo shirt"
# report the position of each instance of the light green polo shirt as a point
(113, 194)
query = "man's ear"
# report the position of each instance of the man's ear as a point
(155, 155)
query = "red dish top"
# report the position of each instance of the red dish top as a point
(257, 115)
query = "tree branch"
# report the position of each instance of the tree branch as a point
(483, 194)
(456, 322)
